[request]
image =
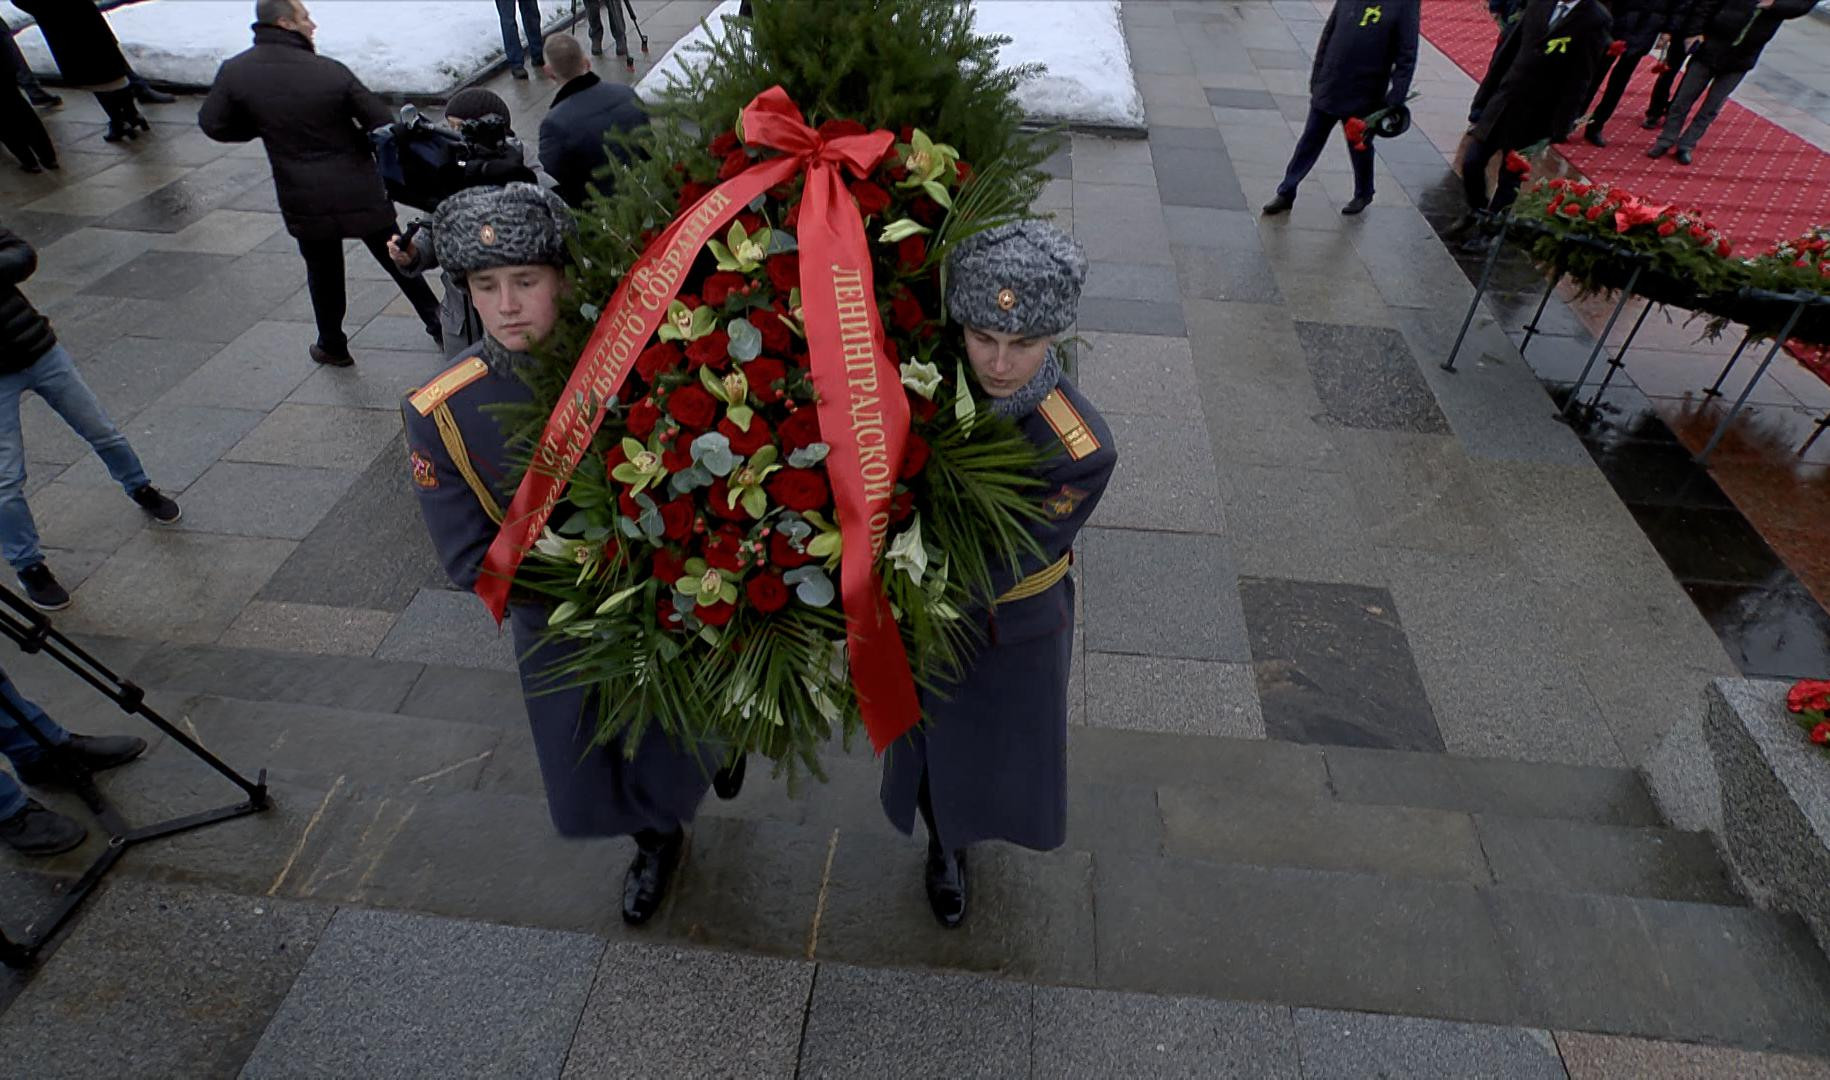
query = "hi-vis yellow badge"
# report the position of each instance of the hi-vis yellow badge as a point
(425, 474)
(1372, 14)
(1556, 45)
(1063, 503)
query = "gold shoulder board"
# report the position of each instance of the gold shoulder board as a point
(1070, 427)
(455, 378)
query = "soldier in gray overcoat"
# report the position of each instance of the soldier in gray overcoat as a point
(507, 246)
(991, 764)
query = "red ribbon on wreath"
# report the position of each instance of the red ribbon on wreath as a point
(863, 411)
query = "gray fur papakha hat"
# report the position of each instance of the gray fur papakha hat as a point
(513, 225)
(1021, 278)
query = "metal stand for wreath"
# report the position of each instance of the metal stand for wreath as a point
(1799, 302)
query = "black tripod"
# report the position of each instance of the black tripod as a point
(32, 632)
(629, 6)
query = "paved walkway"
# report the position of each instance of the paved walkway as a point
(1369, 652)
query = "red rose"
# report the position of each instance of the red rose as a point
(800, 430)
(657, 358)
(643, 416)
(798, 489)
(735, 162)
(1355, 128)
(1725, 247)
(839, 129)
(871, 198)
(724, 549)
(1572, 209)
(677, 518)
(693, 407)
(782, 553)
(720, 286)
(1516, 163)
(914, 456)
(724, 144)
(925, 210)
(902, 506)
(1809, 695)
(1596, 211)
(898, 172)
(668, 567)
(766, 592)
(713, 351)
(1821, 734)
(912, 252)
(763, 373)
(628, 507)
(1556, 203)
(776, 337)
(690, 192)
(906, 311)
(716, 614)
(678, 457)
(614, 457)
(1697, 232)
(747, 442)
(784, 272)
(718, 501)
(1666, 228)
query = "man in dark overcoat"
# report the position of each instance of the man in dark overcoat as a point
(1534, 90)
(991, 762)
(1363, 63)
(507, 247)
(1735, 32)
(88, 55)
(314, 117)
(585, 109)
(1639, 26)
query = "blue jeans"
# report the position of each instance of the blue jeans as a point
(53, 376)
(1309, 147)
(530, 23)
(19, 746)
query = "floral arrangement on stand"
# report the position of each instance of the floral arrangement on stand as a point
(1809, 702)
(1683, 249)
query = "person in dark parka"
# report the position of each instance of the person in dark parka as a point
(1363, 63)
(314, 116)
(583, 111)
(87, 55)
(991, 763)
(1735, 32)
(1533, 91)
(507, 246)
(1639, 26)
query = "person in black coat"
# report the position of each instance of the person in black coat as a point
(314, 117)
(1639, 26)
(1533, 91)
(88, 55)
(1363, 63)
(583, 111)
(991, 761)
(21, 132)
(1734, 34)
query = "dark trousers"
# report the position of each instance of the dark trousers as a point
(1667, 79)
(1474, 176)
(530, 25)
(324, 279)
(1309, 148)
(594, 20)
(1616, 79)
(21, 131)
(1697, 77)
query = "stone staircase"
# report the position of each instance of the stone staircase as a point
(1417, 884)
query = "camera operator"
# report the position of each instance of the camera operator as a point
(26, 825)
(491, 157)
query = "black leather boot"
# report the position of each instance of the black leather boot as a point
(36, 830)
(645, 885)
(728, 781)
(946, 883)
(82, 754)
(124, 119)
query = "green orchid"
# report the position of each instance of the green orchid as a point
(901, 229)
(687, 324)
(932, 166)
(829, 544)
(706, 584)
(907, 553)
(643, 469)
(921, 377)
(741, 251)
(795, 315)
(746, 483)
(734, 390)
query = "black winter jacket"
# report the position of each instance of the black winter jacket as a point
(314, 116)
(1638, 23)
(572, 132)
(1365, 58)
(80, 39)
(1735, 31)
(25, 334)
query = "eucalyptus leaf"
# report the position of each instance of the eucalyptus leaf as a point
(684, 603)
(650, 522)
(589, 311)
(794, 529)
(628, 527)
(782, 242)
(809, 456)
(575, 525)
(811, 585)
(746, 340)
(712, 451)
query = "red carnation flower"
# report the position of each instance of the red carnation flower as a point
(693, 406)
(763, 373)
(912, 252)
(784, 272)
(720, 286)
(800, 430)
(1516, 163)
(1809, 695)
(839, 129)
(782, 553)
(1596, 211)
(1666, 228)
(1355, 129)
(1617, 47)
(776, 337)
(1821, 734)
(798, 489)
(1725, 247)
(1556, 203)
(914, 456)
(657, 358)
(643, 416)
(715, 614)
(871, 198)
(1572, 209)
(747, 442)
(679, 456)
(906, 311)
(718, 501)
(713, 351)
(677, 518)
(1697, 232)
(735, 162)
(767, 593)
(668, 566)
(724, 144)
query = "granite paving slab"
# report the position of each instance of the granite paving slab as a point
(364, 301)
(1098, 1033)
(257, 370)
(1165, 479)
(1367, 378)
(1134, 316)
(658, 1011)
(472, 695)
(1240, 99)
(1420, 492)
(865, 1022)
(1226, 274)
(43, 228)
(1137, 585)
(269, 675)
(1184, 697)
(160, 981)
(308, 628)
(280, 501)
(395, 993)
(1578, 857)
(319, 436)
(160, 275)
(1605, 796)
(1346, 1046)
(395, 332)
(381, 381)
(1142, 374)
(176, 443)
(1187, 176)
(1298, 524)
(187, 200)
(221, 232)
(129, 373)
(1333, 666)
(82, 258)
(442, 626)
(1322, 277)
(747, 884)
(1268, 768)
(1604, 1057)
(91, 519)
(175, 586)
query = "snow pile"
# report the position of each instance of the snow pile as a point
(1088, 80)
(393, 46)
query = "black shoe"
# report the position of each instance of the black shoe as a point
(43, 98)
(82, 754)
(1652, 123)
(1279, 204)
(1682, 155)
(37, 830)
(629, 61)
(518, 73)
(158, 504)
(50, 163)
(728, 781)
(945, 880)
(597, 46)
(146, 95)
(645, 885)
(42, 589)
(1356, 204)
(1594, 137)
(31, 166)
(331, 359)
(1659, 149)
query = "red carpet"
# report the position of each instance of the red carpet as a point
(1751, 177)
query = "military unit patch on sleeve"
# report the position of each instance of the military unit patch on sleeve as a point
(425, 473)
(1063, 503)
